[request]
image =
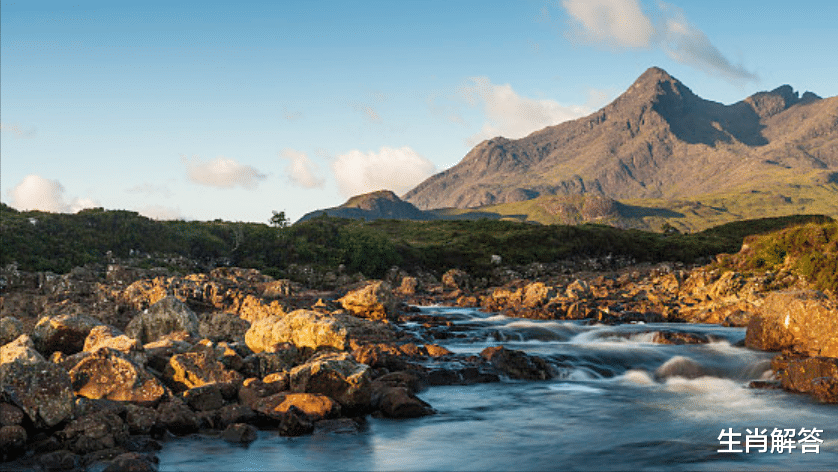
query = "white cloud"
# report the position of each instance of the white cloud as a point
(612, 22)
(511, 115)
(37, 193)
(393, 169)
(301, 170)
(160, 212)
(222, 172)
(623, 24)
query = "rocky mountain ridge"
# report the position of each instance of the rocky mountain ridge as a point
(656, 140)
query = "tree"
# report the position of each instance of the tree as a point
(279, 220)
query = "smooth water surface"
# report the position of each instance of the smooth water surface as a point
(619, 402)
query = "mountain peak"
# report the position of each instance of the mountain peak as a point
(373, 206)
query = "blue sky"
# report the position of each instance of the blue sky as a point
(204, 110)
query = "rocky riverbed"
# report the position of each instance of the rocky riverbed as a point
(100, 366)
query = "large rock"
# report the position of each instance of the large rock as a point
(336, 375)
(107, 373)
(110, 337)
(12, 441)
(314, 405)
(177, 417)
(21, 349)
(456, 279)
(196, 369)
(168, 315)
(517, 364)
(374, 301)
(10, 329)
(94, 432)
(400, 402)
(306, 328)
(223, 327)
(43, 390)
(800, 373)
(65, 333)
(802, 321)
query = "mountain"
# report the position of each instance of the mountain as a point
(658, 140)
(383, 204)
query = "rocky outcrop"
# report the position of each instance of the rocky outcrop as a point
(316, 406)
(814, 375)
(22, 350)
(166, 316)
(65, 333)
(196, 369)
(336, 375)
(41, 389)
(109, 374)
(374, 301)
(306, 328)
(110, 337)
(517, 364)
(802, 321)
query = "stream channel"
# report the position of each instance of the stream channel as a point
(618, 402)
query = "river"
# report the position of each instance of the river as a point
(619, 402)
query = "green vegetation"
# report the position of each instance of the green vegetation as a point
(39, 241)
(808, 250)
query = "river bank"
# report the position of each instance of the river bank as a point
(100, 367)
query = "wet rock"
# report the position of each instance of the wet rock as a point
(10, 329)
(517, 364)
(94, 432)
(108, 374)
(108, 336)
(65, 333)
(252, 390)
(204, 398)
(12, 441)
(797, 373)
(400, 402)
(412, 381)
(42, 390)
(295, 423)
(177, 417)
(234, 413)
(765, 384)
(313, 405)
(337, 426)
(374, 301)
(380, 355)
(196, 369)
(825, 389)
(166, 316)
(679, 338)
(59, 461)
(336, 375)
(239, 433)
(139, 419)
(22, 350)
(131, 462)
(456, 279)
(804, 321)
(436, 350)
(306, 328)
(10, 415)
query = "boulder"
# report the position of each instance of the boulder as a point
(196, 369)
(306, 328)
(21, 349)
(799, 373)
(409, 286)
(239, 433)
(10, 415)
(109, 374)
(537, 294)
(802, 321)
(94, 432)
(295, 423)
(373, 301)
(10, 329)
(59, 460)
(43, 390)
(380, 355)
(456, 279)
(177, 417)
(140, 419)
(336, 375)
(679, 337)
(12, 441)
(235, 413)
(252, 390)
(110, 337)
(65, 333)
(131, 462)
(223, 327)
(277, 289)
(314, 405)
(400, 402)
(517, 364)
(204, 398)
(168, 315)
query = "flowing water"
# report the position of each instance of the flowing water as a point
(618, 402)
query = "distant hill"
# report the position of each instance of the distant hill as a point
(382, 204)
(659, 141)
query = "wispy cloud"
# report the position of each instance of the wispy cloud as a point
(300, 169)
(17, 131)
(510, 115)
(222, 172)
(393, 169)
(37, 193)
(624, 24)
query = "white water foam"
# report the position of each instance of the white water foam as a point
(637, 377)
(574, 387)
